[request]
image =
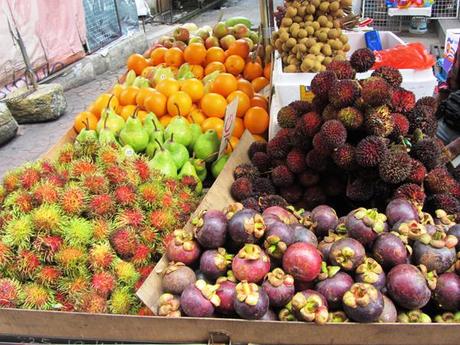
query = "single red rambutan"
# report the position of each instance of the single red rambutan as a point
(251, 203)
(65, 304)
(142, 168)
(11, 294)
(100, 256)
(124, 242)
(308, 178)
(47, 168)
(101, 205)
(428, 101)
(370, 151)
(418, 172)
(29, 177)
(444, 202)
(295, 160)
(400, 126)
(379, 121)
(390, 74)
(116, 175)
(287, 117)
(124, 195)
(47, 246)
(6, 255)
(241, 189)
(263, 186)
(310, 123)
(103, 283)
(439, 181)
(189, 181)
(301, 107)
(58, 180)
(422, 118)
(317, 160)
(375, 91)
(73, 201)
(292, 194)
(148, 236)
(320, 144)
(342, 69)
(362, 60)
(25, 264)
(130, 217)
(322, 83)
(45, 193)
(95, 184)
(344, 157)
(351, 117)
(272, 200)
(11, 182)
(261, 161)
(360, 189)
(395, 167)
(428, 152)
(150, 194)
(141, 256)
(298, 139)
(247, 170)
(333, 133)
(48, 275)
(94, 304)
(74, 288)
(402, 101)
(282, 176)
(257, 146)
(330, 113)
(344, 93)
(161, 220)
(411, 192)
(24, 202)
(82, 168)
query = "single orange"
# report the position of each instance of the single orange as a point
(239, 127)
(213, 123)
(127, 111)
(224, 84)
(215, 54)
(141, 115)
(259, 138)
(180, 103)
(194, 88)
(137, 63)
(168, 86)
(244, 103)
(213, 105)
(252, 70)
(240, 47)
(232, 143)
(85, 119)
(259, 101)
(234, 64)
(128, 95)
(256, 120)
(143, 94)
(195, 53)
(246, 87)
(116, 90)
(157, 55)
(196, 116)
(259, 83)
(214, 66)
(156, 103)
(165, 120)
(268, 71)
(92, 108)
(174, 57)
(198, 71)
(102, 102)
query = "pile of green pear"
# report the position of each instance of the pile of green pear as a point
(179, 150)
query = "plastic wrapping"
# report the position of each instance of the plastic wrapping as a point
(410, 56)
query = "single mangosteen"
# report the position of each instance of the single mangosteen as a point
(347, 253)
(199, 299)
(169, 305)
(302, 234)
(246, 226)
(333, 284)
(413, 316)
(412, 230)
(287, 313)
(226, 293)
(251, 264)
(302, 261)
(177, 277)
(401, 210)
(325, 220)
(365, 224)
(183, 248)
(210, 229)
(309, 305)
(370, 272)
(389, 313)
(279, 287)
(455, 231)
(325, 245)
(215, 262)
(363, 303)
(284, 215)
(389, 250)
(408, 287)
(447, 292)
(251, 301)
(278, 236)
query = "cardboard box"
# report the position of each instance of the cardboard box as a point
(450, 48)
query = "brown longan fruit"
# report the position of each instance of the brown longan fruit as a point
(290, 69)
(324, 6)
(291, 11)
(334, 6)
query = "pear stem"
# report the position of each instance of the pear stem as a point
(211, 155)
(105, 121)
(86, 123)
(155, 126)
(159, 144)
(108, 103)
(178, 110)
(134, 114)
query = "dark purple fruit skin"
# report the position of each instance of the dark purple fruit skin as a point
(284, 215)
(360, 252)
(194, 304)
(334, 288)
(176, 282)
(270, 315)
(389, 313)
(284, 232)
(401, 210)
(389, 250)
(360, 231)
(325, 249)
(279, 296)
(447, 292)
(430, 229)
(435, 259)
(213, 233)
(301, 286)
(236, 227)
(366, 314)
(208, 265)
(379, 284)
(407, 287)
(302, 234)
(226, 293)
(252, 312)
(455, 231)
(325, 219)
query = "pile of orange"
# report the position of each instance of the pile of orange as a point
(241, 76)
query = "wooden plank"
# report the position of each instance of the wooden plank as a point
(53, 152)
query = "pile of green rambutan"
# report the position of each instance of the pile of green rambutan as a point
(359, 143)
(83, 232)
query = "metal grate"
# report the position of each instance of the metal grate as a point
(102, 23)
(445, 9)
(377, 10)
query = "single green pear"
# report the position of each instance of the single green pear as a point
(155, 137)
(189, 170)
(151, 123)
(200, 168)
(218, 165)
(110, 120)
(134, 134)
(196, 132)
(86, 134)
(106, 136)
(130, 78)
(127, 152)
(181, 130)
(178, 152)
(207, 146)
(163, 162)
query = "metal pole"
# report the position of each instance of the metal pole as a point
(266, 20)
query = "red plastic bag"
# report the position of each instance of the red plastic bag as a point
(410, 56)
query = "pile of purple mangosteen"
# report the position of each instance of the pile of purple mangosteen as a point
(401, 266)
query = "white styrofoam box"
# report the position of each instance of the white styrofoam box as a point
(288, 85)
(450, 47)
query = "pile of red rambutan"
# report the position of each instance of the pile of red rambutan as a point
(359, 143)
(83, 232)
